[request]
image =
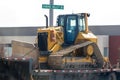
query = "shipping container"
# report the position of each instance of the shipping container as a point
(114, 46)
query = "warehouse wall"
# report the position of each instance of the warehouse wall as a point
(103, 44)
(5, 43)
(28, 34)
(8, 39)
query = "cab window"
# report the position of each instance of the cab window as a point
(71, 23)
(61, 21)
(81, 23)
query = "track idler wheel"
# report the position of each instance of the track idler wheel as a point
(89, 50)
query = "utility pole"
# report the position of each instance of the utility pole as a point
(51, 13)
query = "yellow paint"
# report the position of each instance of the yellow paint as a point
(90, 50)
(43, 59)
(82, 37)
(58, 38)
(77, 59)
(55, 48)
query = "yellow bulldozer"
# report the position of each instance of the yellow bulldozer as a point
(67, 51)
(70, 45)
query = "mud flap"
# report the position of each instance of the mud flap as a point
(17, 69)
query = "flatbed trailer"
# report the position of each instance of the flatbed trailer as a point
(100, 74)
(22, 69)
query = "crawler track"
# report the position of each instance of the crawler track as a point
(56, 60)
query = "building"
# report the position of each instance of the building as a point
(107, 34)
(108, 40)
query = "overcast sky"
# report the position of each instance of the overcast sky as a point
(16, 13)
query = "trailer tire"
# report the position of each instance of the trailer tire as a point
(12, 78)
(112, 76)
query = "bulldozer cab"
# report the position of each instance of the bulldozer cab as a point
(72, 24)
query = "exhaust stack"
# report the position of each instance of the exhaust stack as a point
(86, 22)
(46, 20)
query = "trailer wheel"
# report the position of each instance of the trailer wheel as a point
(35, 77)
(12, 78)
(112, 76)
